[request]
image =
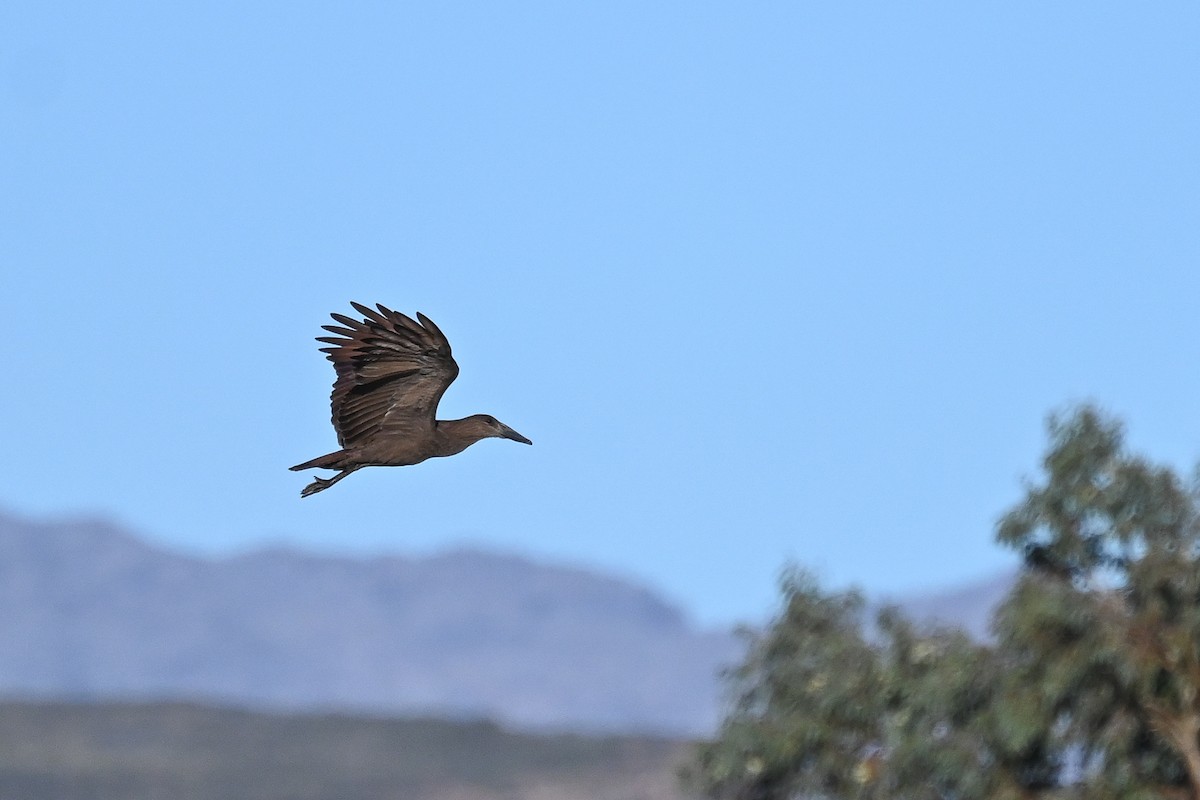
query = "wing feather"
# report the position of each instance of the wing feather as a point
(391, 373)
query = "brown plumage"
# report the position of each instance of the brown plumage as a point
(391, 372)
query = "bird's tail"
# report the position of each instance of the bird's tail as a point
(327, 461)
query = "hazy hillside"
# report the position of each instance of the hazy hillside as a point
(174, 751)
(968, 606)
(89, 611)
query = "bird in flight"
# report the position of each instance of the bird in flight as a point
(391, 372)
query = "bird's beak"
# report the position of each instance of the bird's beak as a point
(509, 433)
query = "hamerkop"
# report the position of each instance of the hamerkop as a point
(391, 372)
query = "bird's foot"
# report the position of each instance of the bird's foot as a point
(317, 485)
(324, 483)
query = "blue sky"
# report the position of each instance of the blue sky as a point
(763, 282)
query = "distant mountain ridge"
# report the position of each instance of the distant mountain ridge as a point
(90, 611)
(968, 605)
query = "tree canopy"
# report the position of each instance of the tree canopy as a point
(1090, 686)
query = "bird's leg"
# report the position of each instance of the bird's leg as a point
(320, 484)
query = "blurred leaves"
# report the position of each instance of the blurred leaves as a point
(1091, 687)
(1104, 625)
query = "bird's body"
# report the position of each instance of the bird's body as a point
(391, 373)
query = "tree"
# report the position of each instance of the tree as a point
(950, 731)
(809, 705)
(825, 711)
(1104, 625)
(1091, 688)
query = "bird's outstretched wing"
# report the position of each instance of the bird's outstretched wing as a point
(391, 372)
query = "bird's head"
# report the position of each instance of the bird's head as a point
(488, 426)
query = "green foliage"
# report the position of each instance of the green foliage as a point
(949, 735)
(1091, 689)
(809, 710)
(824, 711)
(1104, 625)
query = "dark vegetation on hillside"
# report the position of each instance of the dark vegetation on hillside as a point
(176, 751)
